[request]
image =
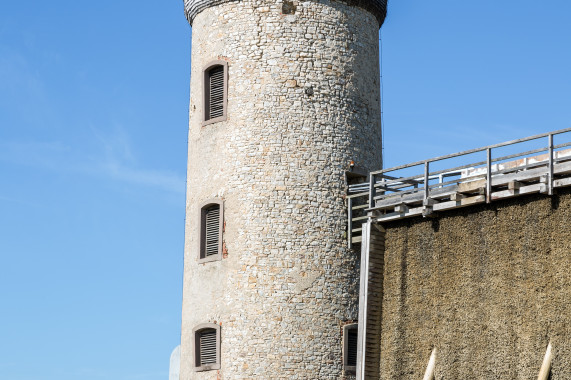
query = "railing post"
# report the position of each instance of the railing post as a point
(372, 190)
(363, 300)
(426, 171)
(550, 179)
(488, 175)
(350, 222)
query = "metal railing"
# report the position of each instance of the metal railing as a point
(421, 182)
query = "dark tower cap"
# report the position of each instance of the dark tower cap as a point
(376, 7)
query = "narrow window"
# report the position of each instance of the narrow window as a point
(215, 92)
(206, 347)
(211, 230)
(211, 226)
(350, 336)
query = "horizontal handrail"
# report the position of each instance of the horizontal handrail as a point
(469, 181)
(466, 152)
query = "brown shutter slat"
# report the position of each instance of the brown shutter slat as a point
(212, 230)
(216, 101)
(208, 354)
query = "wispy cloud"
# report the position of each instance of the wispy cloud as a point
(111, 157)
(118, 161)
(166, 180)
(103, 374)
(22, 90)
(104, 152)
(116, 144)
(150, 375)
(44, 154)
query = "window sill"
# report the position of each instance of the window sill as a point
(209, 259)
(350, 370)
(208, 367)
(215, 120)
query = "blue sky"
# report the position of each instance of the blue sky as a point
(93, 123)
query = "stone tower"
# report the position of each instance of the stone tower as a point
(284, 95)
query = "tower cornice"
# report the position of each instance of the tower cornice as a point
(377, 7)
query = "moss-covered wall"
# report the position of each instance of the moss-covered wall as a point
(488, 286)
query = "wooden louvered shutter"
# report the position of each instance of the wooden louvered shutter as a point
(208, 347)
(211, 223)
(216, 92)
(352, 347)
(211, 230)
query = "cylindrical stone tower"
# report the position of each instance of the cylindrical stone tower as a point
(284, 95)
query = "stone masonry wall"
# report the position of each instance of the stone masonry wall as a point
(303, 101)
(488, 286)
(376, 7)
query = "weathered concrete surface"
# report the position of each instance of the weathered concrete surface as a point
(488, 286)
(303, 101)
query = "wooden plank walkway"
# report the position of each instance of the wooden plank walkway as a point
(390, 197)
(457, 196)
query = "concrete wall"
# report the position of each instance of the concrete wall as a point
(488, 286)
(288, 282)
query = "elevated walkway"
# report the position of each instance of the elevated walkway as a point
(430, 187)
(425, 188)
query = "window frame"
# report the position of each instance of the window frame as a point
(202, 258)
(196, 347)
(348, 369)
(206, 92)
